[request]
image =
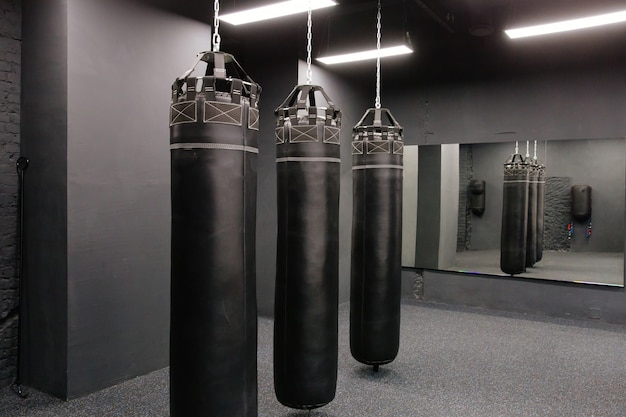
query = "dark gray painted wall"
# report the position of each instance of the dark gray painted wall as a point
(10, 62)
(44, 142)
(122, 60)
(598, 163)
(95, 125)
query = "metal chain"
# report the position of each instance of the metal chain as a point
(216, 26)
(309, 72)
(378, 19)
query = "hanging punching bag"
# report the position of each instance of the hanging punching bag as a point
(531, 234)
(541, 200)
(514, 215)
(477, 190)
(580, 201)
(305, 325)
(377, 150)
(213, 141)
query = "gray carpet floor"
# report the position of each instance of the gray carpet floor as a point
(453, 362)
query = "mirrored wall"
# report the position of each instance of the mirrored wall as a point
(446, 234)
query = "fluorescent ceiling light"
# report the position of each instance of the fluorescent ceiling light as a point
(271, 11)
(567, 25)
(361, 56)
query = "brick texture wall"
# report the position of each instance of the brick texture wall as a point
(10, 47)
(466, 174)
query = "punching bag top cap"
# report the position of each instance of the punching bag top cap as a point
(304, 102)
(377, 119)
(516, 159)
(220, 66)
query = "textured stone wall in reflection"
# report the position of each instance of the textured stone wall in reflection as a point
(557, 214)
(466, 173)
(10, 57)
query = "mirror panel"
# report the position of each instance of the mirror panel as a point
(592, 252)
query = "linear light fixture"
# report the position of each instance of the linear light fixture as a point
(363, 55)
(567, 25)
(274, 10)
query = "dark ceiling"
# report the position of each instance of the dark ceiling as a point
(452, 39)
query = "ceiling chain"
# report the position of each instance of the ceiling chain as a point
(309, 72)
(378, 25)
(216, 27)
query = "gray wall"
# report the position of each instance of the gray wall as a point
(598, 163)
(99, 236)
(10, 63)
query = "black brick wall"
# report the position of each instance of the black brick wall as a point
(466, 174)
(557, 214)
(10, 47)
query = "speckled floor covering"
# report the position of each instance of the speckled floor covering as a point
(453, 362)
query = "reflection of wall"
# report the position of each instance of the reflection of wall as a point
(598, 163)
(449, 204)
(437, 203)
(409, 205)
(466, 173)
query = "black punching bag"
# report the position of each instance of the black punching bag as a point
(377, 151)
(541, 201)
(477, 190)
(580, 200)
(307, 262)
(531, 233)
(213, 142)
(514, 215)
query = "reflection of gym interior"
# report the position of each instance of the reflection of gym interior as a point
(580, 233)
(317, 239)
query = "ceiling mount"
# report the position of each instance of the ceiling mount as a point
(439, 14)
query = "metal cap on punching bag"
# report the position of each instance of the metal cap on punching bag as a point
(379, 132)
(302, 118)
(224, 81)
(307, 263)
(377, 153)
(214, 123)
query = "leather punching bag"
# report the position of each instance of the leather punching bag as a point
(377, 150)
(541, 201)
(213, 141)
(580, 201)
(531, 234)
(307, 263)
(514, 215)
(477, 190)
